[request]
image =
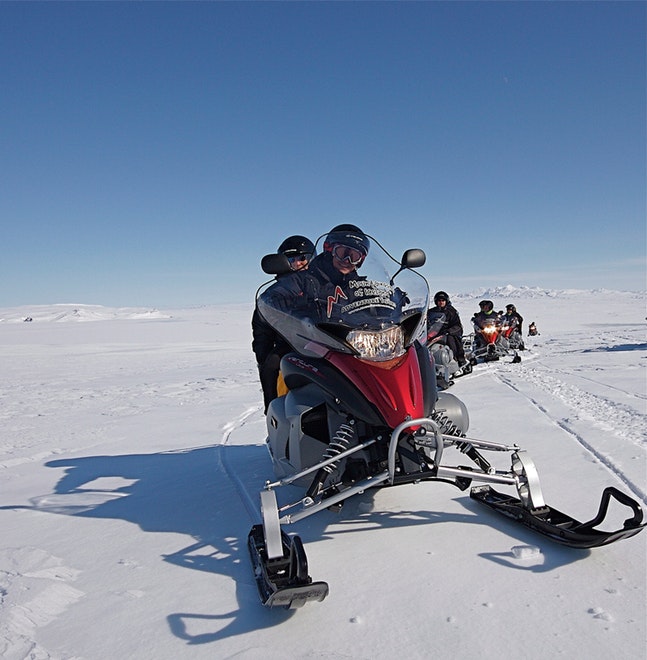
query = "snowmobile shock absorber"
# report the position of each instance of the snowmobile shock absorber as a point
(338, 444)
(478, 458)
(445, 424)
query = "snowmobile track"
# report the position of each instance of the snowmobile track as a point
(606, 413)
(229, 428)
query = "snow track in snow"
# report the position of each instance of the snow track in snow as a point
(229, 428)
(610, 415)
(613, 418)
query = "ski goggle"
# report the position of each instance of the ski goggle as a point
(351, 255)
(297, 259)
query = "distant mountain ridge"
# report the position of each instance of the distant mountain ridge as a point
(526, 292)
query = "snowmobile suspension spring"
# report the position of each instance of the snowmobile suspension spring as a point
(339, 443)
(445, 424)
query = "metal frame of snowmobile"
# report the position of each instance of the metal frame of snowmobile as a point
(279, 560)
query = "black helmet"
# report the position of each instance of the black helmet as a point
(511, 308)
(441, 295)
(294, 245)
(486, 305)
(349, 235)
(299, 250)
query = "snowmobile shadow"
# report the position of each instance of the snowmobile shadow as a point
(618, 347)
(536, 560)
(185, 492)
(206, 493)
(361, 514)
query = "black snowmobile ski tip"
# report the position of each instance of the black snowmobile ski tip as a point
(560, 527)
(283, 582)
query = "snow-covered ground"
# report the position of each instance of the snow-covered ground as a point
(131, 456)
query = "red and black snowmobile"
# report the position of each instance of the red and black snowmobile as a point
(493, 339)
(363, 411)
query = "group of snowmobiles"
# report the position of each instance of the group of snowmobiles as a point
(362, 410)
(495, 335)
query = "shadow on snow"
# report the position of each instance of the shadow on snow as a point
(188, 492)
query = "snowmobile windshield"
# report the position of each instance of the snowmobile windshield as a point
(435, 324)
(374, 311)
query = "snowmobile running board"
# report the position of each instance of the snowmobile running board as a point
(560, 527)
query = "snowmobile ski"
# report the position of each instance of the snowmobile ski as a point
(560, 527)
(283, 582)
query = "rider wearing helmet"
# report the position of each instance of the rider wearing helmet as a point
(268, 346)
(511, 316)
(299, 250)
(483, 317)
(452, 328)
(345, 249)
(325, 287)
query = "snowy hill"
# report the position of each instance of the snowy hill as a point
(71, 312)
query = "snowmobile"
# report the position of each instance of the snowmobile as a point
(510, 330)
(445, 363)
(493, 340)
(362, 411)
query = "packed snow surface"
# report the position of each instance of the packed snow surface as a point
(132, 453)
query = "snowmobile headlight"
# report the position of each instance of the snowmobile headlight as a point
(377, 345)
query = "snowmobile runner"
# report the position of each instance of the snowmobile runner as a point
(362, 411)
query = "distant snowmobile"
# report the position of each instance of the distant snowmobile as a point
(362, 411)
(532, 330)
(445, 362)
(493, 340)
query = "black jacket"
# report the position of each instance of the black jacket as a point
(265, 339)
(481, 318)
(452, 324)
(313, 292)
(506, 318)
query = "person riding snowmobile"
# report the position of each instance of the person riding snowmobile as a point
(326, 285)
(511, 316)
(267, 344)
(482, 318)
(452, 329)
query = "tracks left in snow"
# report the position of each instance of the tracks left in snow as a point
(248, 501)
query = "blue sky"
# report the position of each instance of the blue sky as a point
(151, 153)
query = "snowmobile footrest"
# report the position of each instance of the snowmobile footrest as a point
(560, 527)
(283, 582)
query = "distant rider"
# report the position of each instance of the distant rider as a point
(511, 317)
(482, 318)
(268, 346)
(452, 328)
